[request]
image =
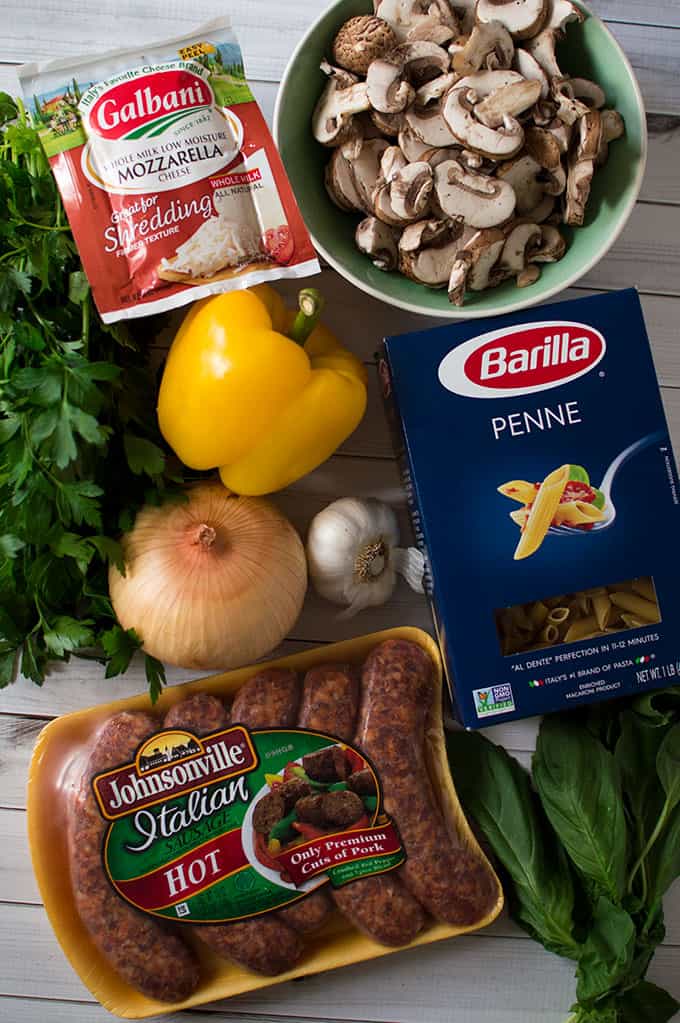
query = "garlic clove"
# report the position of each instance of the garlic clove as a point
(410, 563)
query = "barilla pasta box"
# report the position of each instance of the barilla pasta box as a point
(544, 495)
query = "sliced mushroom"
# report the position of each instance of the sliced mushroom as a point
(426, 119)
(388, 90)
(362, 40)
(529, 68)
(523, 174)
(542, 211)
(486, 82)
(340, 183)
(560, 13)
(528, 276)
(432, 30)
(392, 162)
(465, 10)
(544, 148)
(436, 156)
(495, 143)
(388, 124)
(435, 89)
(410, 190)
(561, 132)
(479, 200)
(411, 145)
(582, 167)
(508, 101)
(522, 18)
(489, 45)
(542, 49)
(552, 246)
(520, 242)
(405, 16)
(474, 263)
(612, 129)
(379, 241)
(423, 61)
(427, 250)
(569, 109)
(544, 112)
(343, 97)
(588, 92)
(366, 169)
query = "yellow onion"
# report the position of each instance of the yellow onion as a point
(213, 582)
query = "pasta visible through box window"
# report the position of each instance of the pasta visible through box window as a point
(589, 614)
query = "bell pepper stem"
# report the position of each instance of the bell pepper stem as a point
(311, 303)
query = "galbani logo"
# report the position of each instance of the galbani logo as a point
(146, 105)
(521, 360)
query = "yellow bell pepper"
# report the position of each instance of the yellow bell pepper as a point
(240, 395)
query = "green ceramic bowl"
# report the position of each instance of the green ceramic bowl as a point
(589, 51)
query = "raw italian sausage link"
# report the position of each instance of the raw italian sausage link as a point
(271, 700)
(145, 953)
(397, 693)
(380, 906)
(263, 944)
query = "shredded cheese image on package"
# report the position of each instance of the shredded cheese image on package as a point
(169, 176)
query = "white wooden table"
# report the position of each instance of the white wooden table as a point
(498, 976)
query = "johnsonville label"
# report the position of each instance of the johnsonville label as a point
(170, 179)
(214, 829)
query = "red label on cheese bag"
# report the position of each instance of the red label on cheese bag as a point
(169, 176)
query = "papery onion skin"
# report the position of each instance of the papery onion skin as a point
(213, 582)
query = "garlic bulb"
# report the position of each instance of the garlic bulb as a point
(213, 582)
(353, 555)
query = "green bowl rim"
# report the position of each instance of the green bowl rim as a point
(463, 312)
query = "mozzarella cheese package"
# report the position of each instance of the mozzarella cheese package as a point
(169, 176)
(544, 494)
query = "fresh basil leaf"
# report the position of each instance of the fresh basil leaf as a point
(580, 788)
(668, 766)
(8, 108)
(663, 862)
(496, 792)
(636, 752)
(10, 545)
(577, 472)
(647, 1003)
(607, 952)
(600, 499)
(661, 707)
(8, 427)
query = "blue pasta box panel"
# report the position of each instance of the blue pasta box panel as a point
(544, 495)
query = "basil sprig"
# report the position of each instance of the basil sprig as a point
(589, 845)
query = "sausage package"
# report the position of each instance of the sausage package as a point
(546, 499)
(256, 826)
(171, 182)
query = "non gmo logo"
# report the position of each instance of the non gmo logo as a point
(521, 360)
(145, 106)
(493, 700)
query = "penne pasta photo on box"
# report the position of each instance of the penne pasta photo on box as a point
(544, 496)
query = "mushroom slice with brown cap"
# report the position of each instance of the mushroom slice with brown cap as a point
(388, 124)
(523, 175)
(542, 49)
(427, 250)
(542, 211)
(508, 101)
(612, 128)
(561, 132)
(343, 97)
(432, 30)
(486, 82)
(569, 109)
(489, 45)
(340, 183)
(522, 18)
(411, 145)
(423, 60)
(560, 13)
(436, 156)
(435, 89)
(582, 167)
(552, 245)
(588, 92)
(495, 143)
(528, 276)
(404, 16)
(387, 87)
(362, 40)
(474, 262)
(520, 241)
(379, 241)
(545, 149)
(531, 70)
(479, 200)
(410, 190)
(426, 119)
(366, 169)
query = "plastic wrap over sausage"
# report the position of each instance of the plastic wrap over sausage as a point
(397, 692)
(264, 943)
(380, 905)
(143, 951)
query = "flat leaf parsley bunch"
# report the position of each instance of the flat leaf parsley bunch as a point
(79, 448)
